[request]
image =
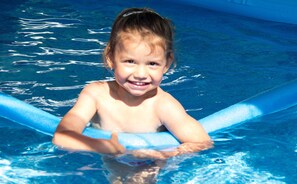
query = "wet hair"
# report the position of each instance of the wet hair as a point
(143, 21)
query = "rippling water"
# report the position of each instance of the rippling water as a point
(51, 49)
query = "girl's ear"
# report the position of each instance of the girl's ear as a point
(170, 59)
(109, 62)
(107, 57)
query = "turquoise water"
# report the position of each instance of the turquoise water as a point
(51, 49)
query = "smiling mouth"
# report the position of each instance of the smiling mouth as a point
(139, 83)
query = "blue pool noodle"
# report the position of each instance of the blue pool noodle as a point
(271, 10)
(264, 103)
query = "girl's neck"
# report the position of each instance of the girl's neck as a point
(119, 93)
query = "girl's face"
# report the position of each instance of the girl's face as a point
(139, 64)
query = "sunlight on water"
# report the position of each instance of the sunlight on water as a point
(55, 51)
(232, 169)
(40, 24)
(12, 174)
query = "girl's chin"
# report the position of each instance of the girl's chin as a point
(138, 90)
(140, 93)
(137, 93)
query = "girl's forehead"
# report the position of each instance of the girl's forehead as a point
(151, 39)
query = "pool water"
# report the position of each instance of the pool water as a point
(51, 49)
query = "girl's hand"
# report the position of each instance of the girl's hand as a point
(192, 147)
(153, 154)
(118, 148)
(182, 149)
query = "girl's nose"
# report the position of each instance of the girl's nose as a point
(141, 72)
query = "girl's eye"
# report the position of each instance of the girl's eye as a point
(129, 61)
(153, 63)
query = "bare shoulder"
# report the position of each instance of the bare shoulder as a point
(171, 113)
(166, 102)
(95, 88)
(166, 98)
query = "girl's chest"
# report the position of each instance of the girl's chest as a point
(119, 117)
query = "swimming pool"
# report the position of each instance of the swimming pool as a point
(50, 50)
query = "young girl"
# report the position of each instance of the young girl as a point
(139, 52)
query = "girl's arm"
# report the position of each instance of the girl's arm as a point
(76, 141)
(69, 132)
(185, 128)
